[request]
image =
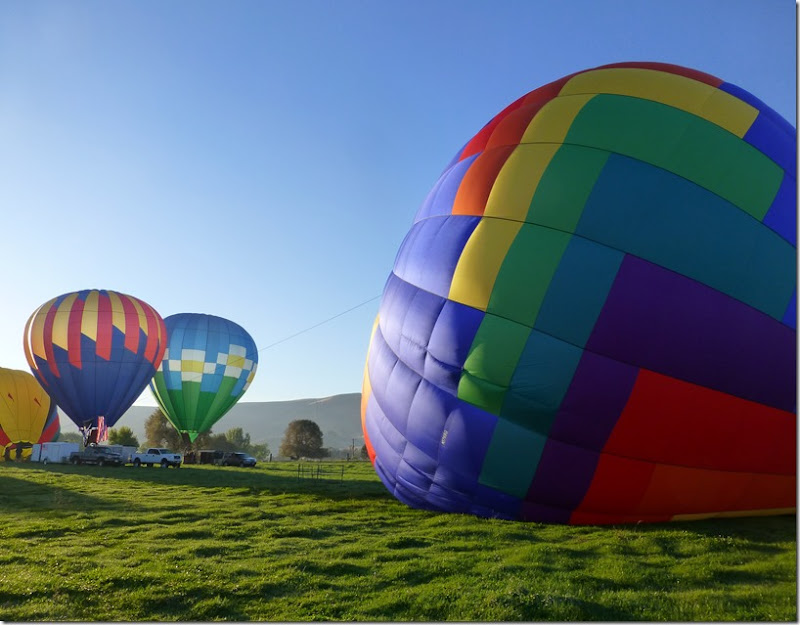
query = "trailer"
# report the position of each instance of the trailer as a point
(211, 456)
(53, 452)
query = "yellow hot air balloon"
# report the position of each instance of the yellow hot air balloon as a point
(27, 414)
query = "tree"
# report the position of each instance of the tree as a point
(70, 437)
(235, 439)
(238, 439)
(302, 439)
(221, 442)
(364, 452)
(159, 432)
(122, 436)
(259, 451)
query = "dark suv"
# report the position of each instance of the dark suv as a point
(238, 459)
(95, 454)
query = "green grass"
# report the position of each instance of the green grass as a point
(209, 543)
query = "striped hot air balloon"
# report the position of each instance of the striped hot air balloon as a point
(593, 316)
(94, 352)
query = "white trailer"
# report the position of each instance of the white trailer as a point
(53, 452)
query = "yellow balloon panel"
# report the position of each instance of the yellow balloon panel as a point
(24, 406)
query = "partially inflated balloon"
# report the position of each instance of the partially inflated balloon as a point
(592, 318)
(27, 416)
(209, 364)
(94, 352)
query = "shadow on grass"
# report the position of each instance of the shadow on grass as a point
(762, 532)
(565, 608)
(23, 495)
(197, 603)
(248, 481)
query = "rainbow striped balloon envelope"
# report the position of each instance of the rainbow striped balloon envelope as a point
(94, 352)
(593, 316)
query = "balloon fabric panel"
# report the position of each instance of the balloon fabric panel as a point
(662, 410)
(52, 427)
(731, 251)
(592, 318)
(685, 317)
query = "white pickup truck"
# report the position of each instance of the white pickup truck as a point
(162, 457)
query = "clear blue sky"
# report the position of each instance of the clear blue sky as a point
(263, 160)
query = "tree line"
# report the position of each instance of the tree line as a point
(302, 439)
(159, 432)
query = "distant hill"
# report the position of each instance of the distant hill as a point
(338, 416)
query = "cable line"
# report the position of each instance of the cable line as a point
(316, 325)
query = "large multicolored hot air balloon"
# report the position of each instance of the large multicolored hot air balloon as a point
(94, 352)
(27, 416)
(209, 364)
(593, 316)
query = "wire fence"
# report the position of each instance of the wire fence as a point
(319, 471)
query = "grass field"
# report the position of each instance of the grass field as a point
(210, 543)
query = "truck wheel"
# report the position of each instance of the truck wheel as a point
(137, 462)
(164, 464)
(101, 462)
(73, 460)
